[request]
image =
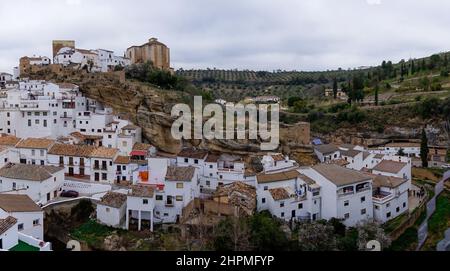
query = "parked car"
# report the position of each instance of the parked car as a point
(70, 194)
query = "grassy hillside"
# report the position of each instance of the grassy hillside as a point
(428, 73)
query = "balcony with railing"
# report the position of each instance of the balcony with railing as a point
(382, 196)
(363, 187)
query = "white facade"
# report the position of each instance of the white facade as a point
(351, 202)
(93, 60)
(391, 199)
(40, 189)
(29, 223)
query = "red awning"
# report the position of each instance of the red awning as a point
(139, 153)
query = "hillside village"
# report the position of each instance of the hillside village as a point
(58, 146)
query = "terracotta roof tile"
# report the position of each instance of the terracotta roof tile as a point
(18, 203)
(72, 150)
(123, 160)
(7, 223)
(386, 181)
(277, 177)
(106, 153)
(341, 176)
(141, 147)
(326, 149)
(8, 140)
(389, 166)
(113, 199)
(180, 174)
(142, 191)
(28, 172)
(279, 194)
(36, 143)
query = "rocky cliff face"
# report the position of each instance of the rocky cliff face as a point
(150, 108)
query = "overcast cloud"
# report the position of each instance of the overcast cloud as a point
(242, 34)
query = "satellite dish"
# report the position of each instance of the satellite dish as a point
(73, 245)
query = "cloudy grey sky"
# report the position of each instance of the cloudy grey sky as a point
(242, 34)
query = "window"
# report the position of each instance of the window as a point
(20, 227)
(300, 205)
(398, 209)
(108, 210)
(33, 152)
(388, 215)
(347, 216)
(281, 204)
(263, 200)
(29, 123)
(363, 211)
(346, 203)
(363, 199)
(404, 204)
(186, 160)
(388, 205)
(159, 197)
(377, 207)
(41, 152)
(104, 176)
(266, 188)
(145, 201)
(179, 198)
(180, 185)
(210, 166)
(196, 161)
(282, 214)
(208, 183)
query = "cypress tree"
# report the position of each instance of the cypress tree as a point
(335, 88)
(377, 88)
(424, 149)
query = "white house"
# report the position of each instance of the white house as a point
(140, 206)
(9, 236)
(327, 152)
(220, 170)
(125, 168)
(33, 151)
(192, 157)
(409, 149)
(41, 183)
(5, 77)
(111, 210)
(301, 204)
(346, 194)
(276, 162)
(181, 186)
(75, 159)
(102, 165)
(390, 197)
(394, 169)
(30, 217)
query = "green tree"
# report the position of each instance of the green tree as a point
(335, 88)
(266, 233)
(377, 89)
(232, 234)
(293, 100)
(413, 67)
(424, 151)
(82, 211)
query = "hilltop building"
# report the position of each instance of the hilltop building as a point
(154, 51)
